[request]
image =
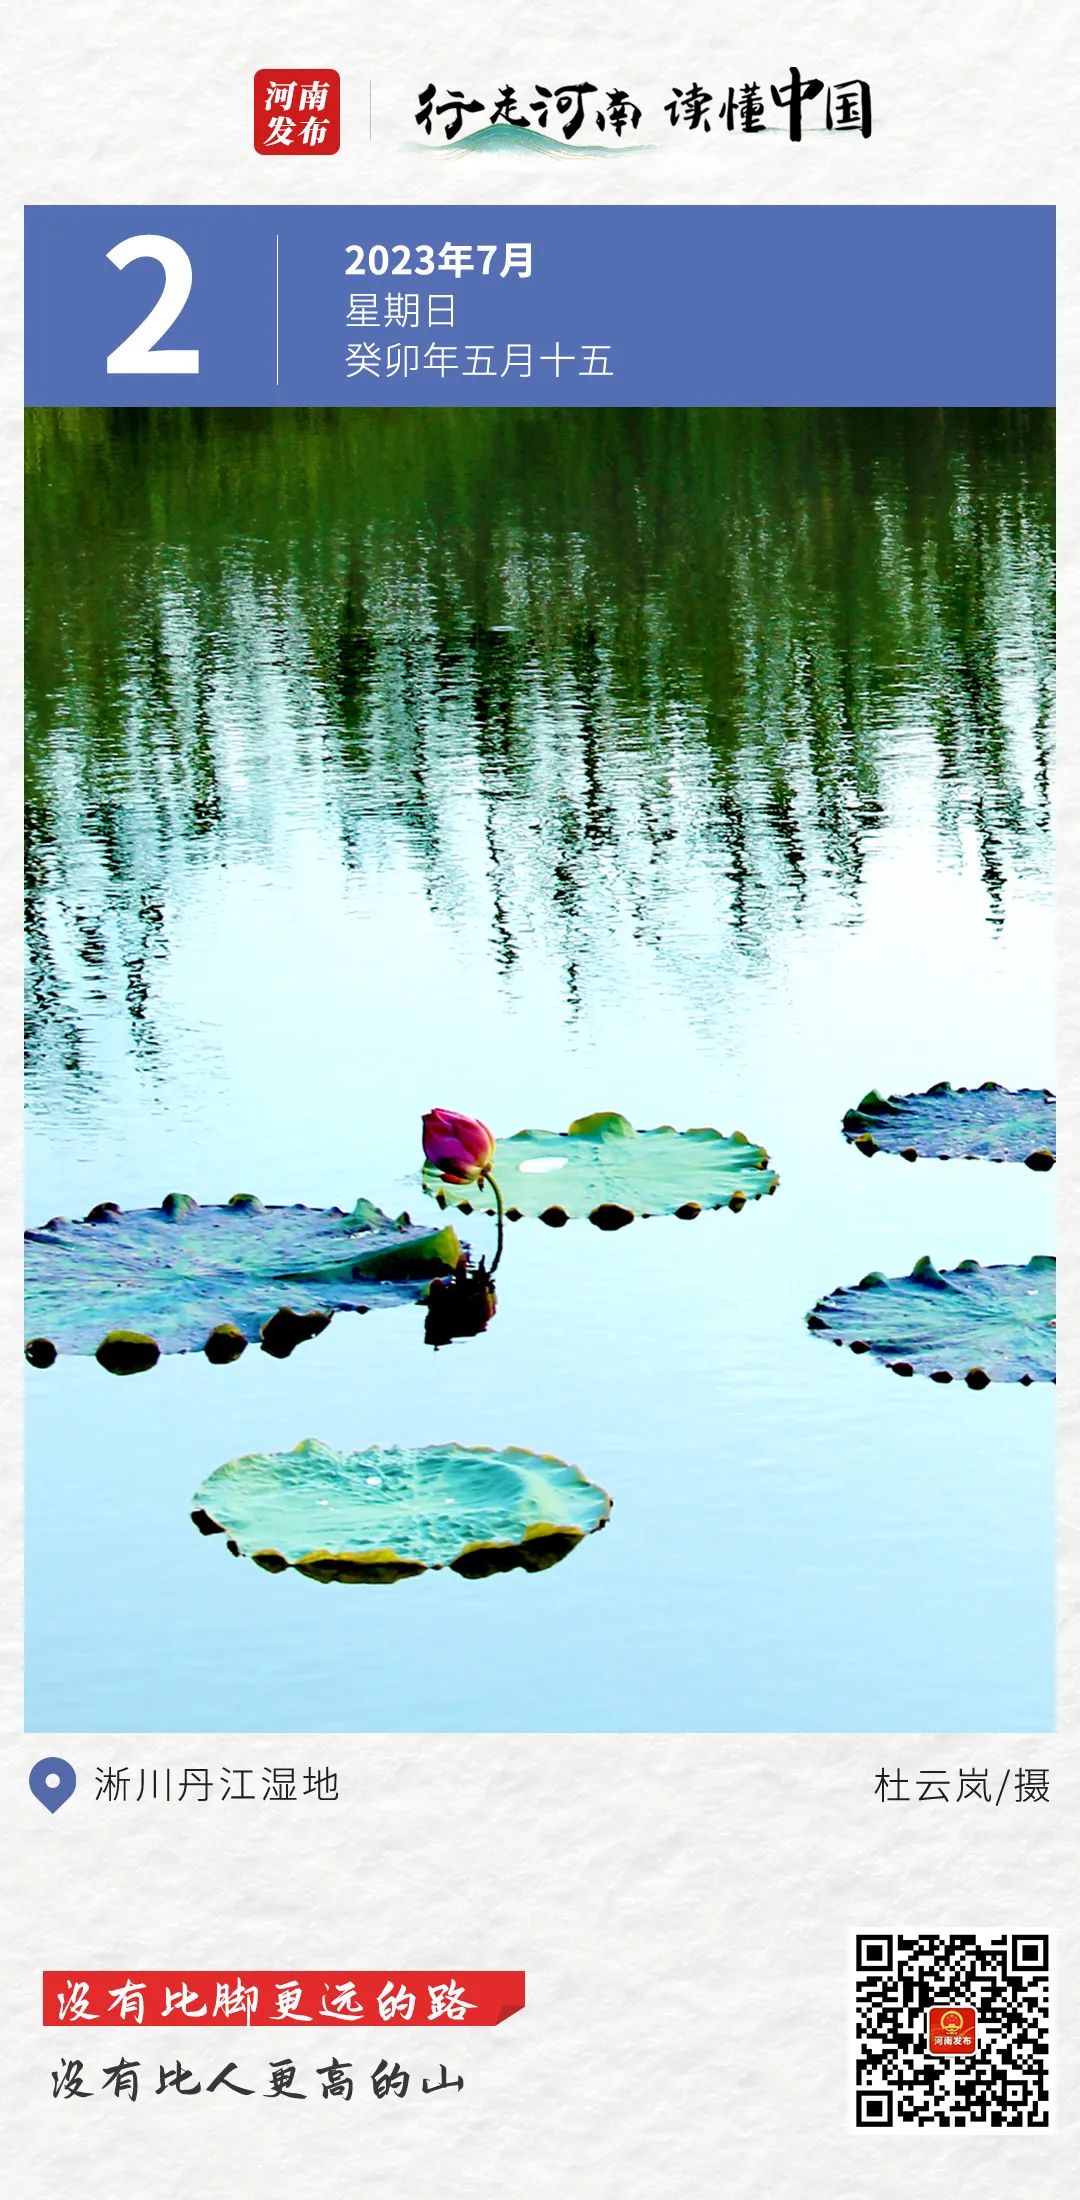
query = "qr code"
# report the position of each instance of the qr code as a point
(952, 2029)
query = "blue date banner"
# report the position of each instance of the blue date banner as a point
(627, 305)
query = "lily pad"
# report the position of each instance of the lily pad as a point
(378, 1516)
(980, 1123)
(981, 1325)
(603, 1168)
(185, 1278)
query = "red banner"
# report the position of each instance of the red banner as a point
(417, 1999)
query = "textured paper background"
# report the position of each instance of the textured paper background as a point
(681, 1906)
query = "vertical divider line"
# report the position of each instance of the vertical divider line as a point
(277, 310)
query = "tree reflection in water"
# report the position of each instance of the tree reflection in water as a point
(579, 669)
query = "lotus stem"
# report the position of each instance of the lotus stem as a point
(488, 1179)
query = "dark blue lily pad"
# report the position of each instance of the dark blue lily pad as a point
(185, 1278)
(983, 1123)
(978, 1325)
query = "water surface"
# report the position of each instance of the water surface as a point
(691, 765)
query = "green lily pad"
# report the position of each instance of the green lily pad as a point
(981, 1325)
(185, 1278)
(377, 1516)
(605, 1169)
(983, 1123)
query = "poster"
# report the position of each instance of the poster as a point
(538, 1629)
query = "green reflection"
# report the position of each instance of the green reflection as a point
(726, 647)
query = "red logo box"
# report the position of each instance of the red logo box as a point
(297, 111)
(951, 2030)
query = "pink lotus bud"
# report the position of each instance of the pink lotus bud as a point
(457, 1145)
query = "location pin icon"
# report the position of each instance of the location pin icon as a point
(52, 1780)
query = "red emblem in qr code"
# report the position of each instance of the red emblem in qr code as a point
(297, 110)
(952, 2031)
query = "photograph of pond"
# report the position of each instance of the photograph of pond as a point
(540, 1063)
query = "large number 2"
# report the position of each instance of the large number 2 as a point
(136, 355)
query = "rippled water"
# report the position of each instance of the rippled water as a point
(691, 765)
